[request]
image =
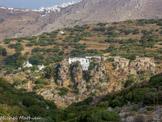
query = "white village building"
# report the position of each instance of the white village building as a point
(27, 64)
(62, 32)
(41, 67)
(83, 61)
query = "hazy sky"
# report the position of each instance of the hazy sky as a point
(32, 3)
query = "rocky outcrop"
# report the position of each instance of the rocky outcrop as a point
(104, 76)
(143, 64)
(62, 73)
(76, 74)
(140, 64)
(138, 113)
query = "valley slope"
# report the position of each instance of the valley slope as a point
(130, 53)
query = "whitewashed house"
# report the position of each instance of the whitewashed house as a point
(41, 67)
(83, 61)
(27, 64)
(62, 32)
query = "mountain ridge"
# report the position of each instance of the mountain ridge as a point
(88, 11)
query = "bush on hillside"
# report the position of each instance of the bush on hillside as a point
(63, 91)
(3, 51)
(97, 115)
(15, 60)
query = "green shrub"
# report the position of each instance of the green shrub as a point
(99, 115)
(92, 65)
(127, 32)
(3, 51)
(37, 49)
(101, 24)
(156, 80)
(28, 101)
(15, 60)
(108, 79)
(102, 29)
(86, 102)
(77, 53)
(112, 34)
(153, 98)
(25, 81)
(138, 94)
(101, 80)
(39, 81)
(7, 41)
(36, 111)
(110, 48)
(63, 91)
(36, 59)
(111, 28)
(115, 103)
(103, 105)
(3, 111)
(18, 46)
(61, 53)
(76, 91)
(128, 83)
(17, 111)
(86, 75)
(38, 86)
(136, 31)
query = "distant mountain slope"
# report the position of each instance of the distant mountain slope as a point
(95, 11)
(18, 22)
(84, 12)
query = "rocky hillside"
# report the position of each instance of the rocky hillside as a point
(84, 12)
(122, 56)
(67, 83)
(139, 103)
(95, 11)
(118, 44)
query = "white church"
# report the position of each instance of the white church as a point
(85, 62)
(29, 65)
